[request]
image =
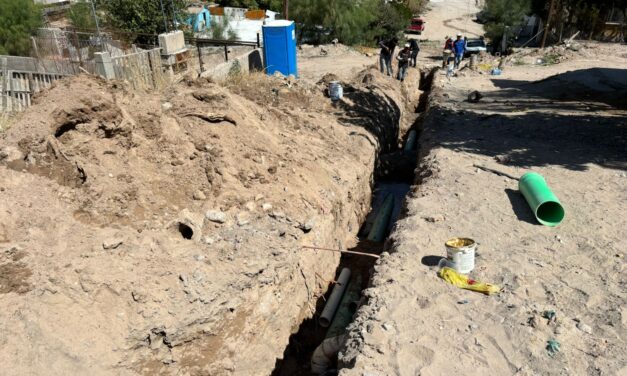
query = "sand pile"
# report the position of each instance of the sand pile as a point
(160, 233)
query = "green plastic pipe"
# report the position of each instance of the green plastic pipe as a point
(544, 204)
(411, 140)
(380, 225)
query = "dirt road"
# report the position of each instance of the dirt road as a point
(566, 121)
(449, 17)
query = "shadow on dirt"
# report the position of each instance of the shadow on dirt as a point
(525, 126)
(591, 86)
(377, 113)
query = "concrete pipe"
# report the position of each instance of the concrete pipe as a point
(323, 356)
(334, 300)
(382, 220)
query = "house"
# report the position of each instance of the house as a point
(246, 24)
(199, 19)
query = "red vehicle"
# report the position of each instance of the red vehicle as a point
(417, 26)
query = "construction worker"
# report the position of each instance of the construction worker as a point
(403, 62)
(414, 48)
(448, 50)
(459, 47)
(385, 58)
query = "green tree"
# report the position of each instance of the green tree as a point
(81, 15)
(19, 19)
(502, 14)
(350, 21)
(274, 5)
(142, 16)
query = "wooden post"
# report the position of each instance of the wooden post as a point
(202, 68)
(546, 25)
(226, 53)
(286, 9)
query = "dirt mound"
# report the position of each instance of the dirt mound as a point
(158, 233)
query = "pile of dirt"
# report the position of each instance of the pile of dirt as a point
(161, 232)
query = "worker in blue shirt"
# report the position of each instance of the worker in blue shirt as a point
(459, 47)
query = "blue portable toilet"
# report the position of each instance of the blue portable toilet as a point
(279, 47)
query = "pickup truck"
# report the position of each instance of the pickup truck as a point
(417, 26)
(475, 46)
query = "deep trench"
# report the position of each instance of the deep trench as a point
(394, 175)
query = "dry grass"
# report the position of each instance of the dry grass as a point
(5, 121)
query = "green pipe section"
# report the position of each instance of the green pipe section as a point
(346, 309)
(545, 206)
(380, 226)
(411, 140)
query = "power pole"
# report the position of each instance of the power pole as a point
(546, 25)
(165, 20)
(93, 9)
(174, 24)
(286, 9)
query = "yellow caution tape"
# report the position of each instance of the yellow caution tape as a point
(462, 281)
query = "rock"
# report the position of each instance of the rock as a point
(259, 197)
(216, 216)
(250, 206)
(199, 257)
(199, 195)
(266, 207)
(533, 322)
(435, 218)
(277, 214)
(307, 226)
(243, 218)
(10, 153)
(584, 328)
(112, 243)
(388, 326)
(209, 240)
(166, 106)
(177, 162)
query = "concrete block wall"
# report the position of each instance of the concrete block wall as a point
(172, 42)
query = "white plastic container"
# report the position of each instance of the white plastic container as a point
(460, 254)
(336, 92)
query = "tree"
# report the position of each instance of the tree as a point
(19, 20)
(274, 5)
(81, 15)
(143, 16)
(350, 21)
(504, 14)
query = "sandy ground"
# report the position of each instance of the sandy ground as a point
(160, 233)
(343, 62)
(449, 17)
(566, 121)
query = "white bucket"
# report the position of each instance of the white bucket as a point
(460, 254)
(336, 92)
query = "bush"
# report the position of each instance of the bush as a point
(349, 21)
(502, 14)
(19, 20)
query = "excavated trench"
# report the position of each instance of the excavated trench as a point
(394, 176)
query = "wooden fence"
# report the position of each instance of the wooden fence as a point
(18, 87)
(143, 70)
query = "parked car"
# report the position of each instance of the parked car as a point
(417, 26)
(475, 46)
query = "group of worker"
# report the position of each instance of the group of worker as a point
(406, 57)
(453, 49)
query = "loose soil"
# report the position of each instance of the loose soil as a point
(565, 121)
(161, 232)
